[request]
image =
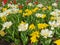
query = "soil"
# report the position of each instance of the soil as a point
(3, 42)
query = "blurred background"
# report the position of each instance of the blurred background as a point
(45, 2)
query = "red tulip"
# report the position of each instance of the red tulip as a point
(14, 1)
(20, 6)
(5, 1)
(36, 2)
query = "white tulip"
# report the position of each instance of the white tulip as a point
(56, 12)
(46, 33)
(7, 24)
(52, 28)
(54, 4)
(1, 8)
(23, 27)
(38, 15)
(40, 5)
(14, 10)
(53, 23)
(53, 13)
(9, 5)
(3, 14)
(30, 4)
(12, 6)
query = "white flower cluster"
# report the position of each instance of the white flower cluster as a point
(40, 5)
(53, 24)
(23, 27)
(12, 10)
(30, 4)
(56, 14)
(38, 15)
(46, 33)
(54, 4)
(12, 6)
(6, 25)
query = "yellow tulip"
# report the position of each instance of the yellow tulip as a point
(2, 33)
(57, 42)
(4, 9)
(32, 26)
(20, 11)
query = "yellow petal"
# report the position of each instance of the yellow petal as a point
(4, 9)
(57, 42)
(2, 33)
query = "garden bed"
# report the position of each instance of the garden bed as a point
(30, 22)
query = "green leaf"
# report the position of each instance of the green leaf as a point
(17, 41)
(36, 43)
(45, 41)
(24, 38)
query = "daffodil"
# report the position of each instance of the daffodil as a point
(33, 39)
(20, 11)
(52, 18)
(49, 7)
(4, 18)
(44, 8)
(32, 26)
(2, 33)
(4, 9)
(27, 13)
(57, 42)
(42, 25)
(35, 9)
(34, 36)
(26, 10)
(43, 15)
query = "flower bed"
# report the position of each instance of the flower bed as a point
(30, 23)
